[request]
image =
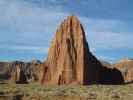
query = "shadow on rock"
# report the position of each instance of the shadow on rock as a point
(96, 73)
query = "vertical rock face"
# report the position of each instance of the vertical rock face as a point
(4, 71)
(67, 52)
(22, 72)
(69, 59)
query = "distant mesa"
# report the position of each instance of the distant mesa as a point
(70, 61)
(4, 71)
(125, 60)
(126, 68)
(20, 72)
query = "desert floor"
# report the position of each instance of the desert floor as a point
(38, 92)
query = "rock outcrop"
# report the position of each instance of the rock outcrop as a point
(4, 71)
(23, 72)
(70, 61)
(20, 72)
(126, 68)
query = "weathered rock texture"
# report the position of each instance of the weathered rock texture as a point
(126, 68)
(22, 72)
(4, 71)
(69, 60)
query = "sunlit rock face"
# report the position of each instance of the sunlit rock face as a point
(66, 58)
(69, 60)
(126, 68)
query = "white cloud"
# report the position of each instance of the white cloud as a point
(33, 49)
(24, 23)
(107, 34)
(24, 17)
(111, 40)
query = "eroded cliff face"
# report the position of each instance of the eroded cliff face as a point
(22, 72)
(66, 58)
(69, 60)
(126, 68)
(4, 71)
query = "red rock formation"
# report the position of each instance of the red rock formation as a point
(65, 60)
(25, 72)
(4, 71)
(20, 72)
(126, 68)
(69, 60)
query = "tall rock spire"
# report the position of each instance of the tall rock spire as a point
(69, 59)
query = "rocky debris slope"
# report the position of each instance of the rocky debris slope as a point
(70, 61)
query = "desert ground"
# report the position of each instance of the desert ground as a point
(36, 91)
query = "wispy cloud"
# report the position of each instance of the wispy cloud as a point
(29, 25)
(24, 17)
(33, 49)
(109, 40)
(112, 41)
(25, 27)
(107, 34)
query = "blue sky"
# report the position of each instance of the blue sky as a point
(28, 26)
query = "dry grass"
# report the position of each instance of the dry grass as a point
(93, 92)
